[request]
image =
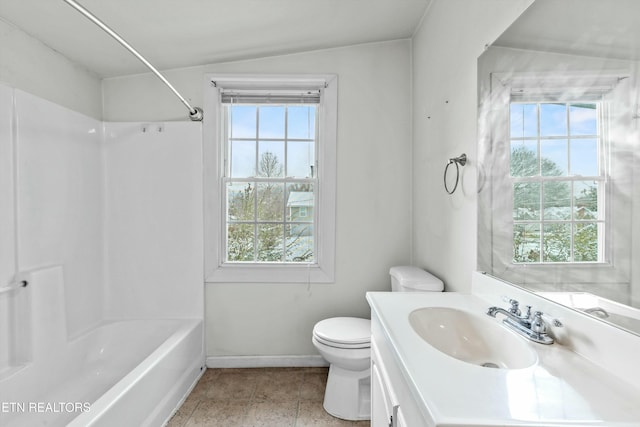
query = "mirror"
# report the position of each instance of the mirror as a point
(558, 149)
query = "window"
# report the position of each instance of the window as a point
(270, 178)
(554, 177)
(558, 181)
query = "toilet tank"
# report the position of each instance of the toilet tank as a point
(413, 279)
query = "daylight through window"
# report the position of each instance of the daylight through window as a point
(557, 182)
(270, 179)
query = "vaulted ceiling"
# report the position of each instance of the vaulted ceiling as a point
(173, 34)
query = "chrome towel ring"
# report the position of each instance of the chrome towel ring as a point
(461, 160)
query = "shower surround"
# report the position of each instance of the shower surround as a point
(104, 222)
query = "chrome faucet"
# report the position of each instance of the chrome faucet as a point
(516, 317)
(529, 325)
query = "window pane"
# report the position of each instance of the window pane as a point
(554, 157)
(585, 202)
(583, 119)
(526, 243)
(300, 203)
(271, 161)
(553, 119)
(556, 220)
(270, 201)
(557, 200)
(269, 245)
(524, 120)
(243, 159)
(584, 157)
(524, 158)
(240, 201)
(243, 121)
(271, 122)
(526, 201)
(556, 243)
(301, 122)
(240, 241)
(300, 158)
(300, 242)
(585, 242)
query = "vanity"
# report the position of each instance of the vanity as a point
(558, 198)
(437, 359)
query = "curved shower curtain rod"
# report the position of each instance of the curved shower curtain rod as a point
(195, 113)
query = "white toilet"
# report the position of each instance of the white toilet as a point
(345, 342)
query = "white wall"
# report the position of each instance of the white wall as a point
(445, 51)
(28, 64)
(373, 207)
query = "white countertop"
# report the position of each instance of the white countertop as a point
(562, 388)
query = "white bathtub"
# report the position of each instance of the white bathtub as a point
(121, 373)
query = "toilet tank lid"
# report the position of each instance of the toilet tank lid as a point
(416, 278)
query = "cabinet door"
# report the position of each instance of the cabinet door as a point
(398, 418)
(381, 404)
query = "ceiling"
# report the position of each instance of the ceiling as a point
(607, 29)
(183, 33)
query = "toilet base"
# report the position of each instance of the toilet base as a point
(348, 394)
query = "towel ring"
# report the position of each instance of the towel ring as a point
(461, 160)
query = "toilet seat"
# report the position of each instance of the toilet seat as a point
(344, 332)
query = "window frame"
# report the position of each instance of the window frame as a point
(322, 270)
(614, 85)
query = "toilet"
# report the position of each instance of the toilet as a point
(345, 342)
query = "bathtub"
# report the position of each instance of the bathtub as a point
(121, 373)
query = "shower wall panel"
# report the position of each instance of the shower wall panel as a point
(51, 217)
(60, 202)
(154, 220)
(7, 223)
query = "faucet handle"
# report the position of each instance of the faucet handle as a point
(537, 324)
(514, 307)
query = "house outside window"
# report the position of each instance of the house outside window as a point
(270, 179)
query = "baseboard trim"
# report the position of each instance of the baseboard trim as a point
(265, 361)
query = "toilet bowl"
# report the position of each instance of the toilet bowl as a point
(345, 343)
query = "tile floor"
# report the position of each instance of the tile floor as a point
(265, 397)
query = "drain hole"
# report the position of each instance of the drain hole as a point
(489, 365)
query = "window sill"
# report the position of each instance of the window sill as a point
(270, 273)
(589, 264)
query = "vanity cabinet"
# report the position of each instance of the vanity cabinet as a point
(385, 408)
(392, 404)
(414, 384)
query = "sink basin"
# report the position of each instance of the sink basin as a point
(471, 338)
